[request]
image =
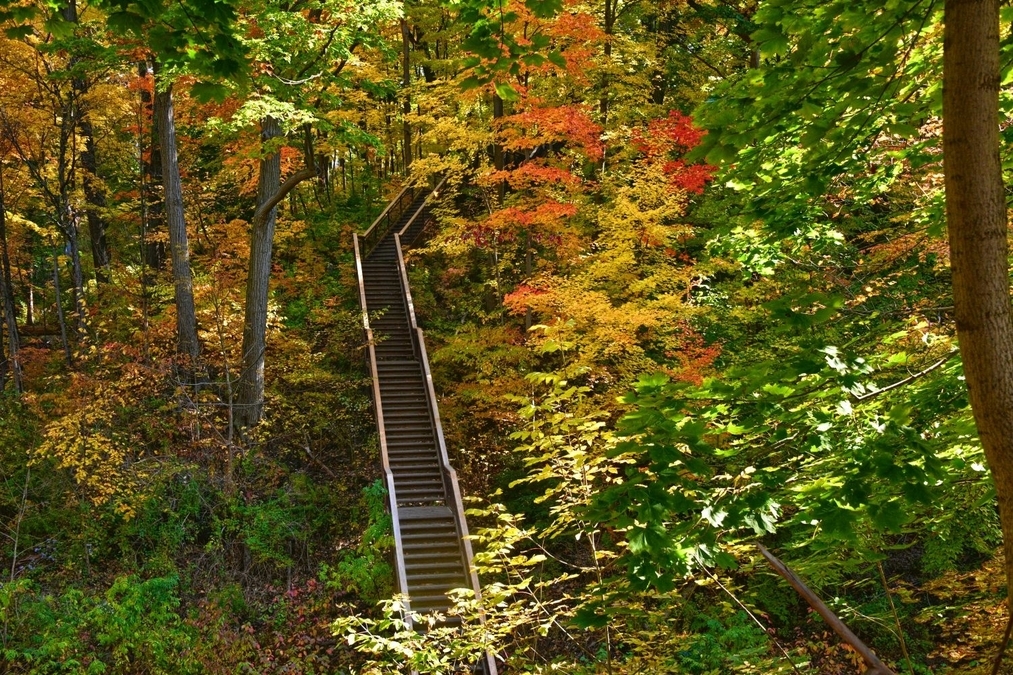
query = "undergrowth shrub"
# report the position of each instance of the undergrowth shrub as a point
(366, 570)
(134, 622)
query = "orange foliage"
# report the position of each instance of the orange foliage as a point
(569, 124)
(666, 138)
(531, 174)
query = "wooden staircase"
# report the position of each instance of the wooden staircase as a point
(432, 553)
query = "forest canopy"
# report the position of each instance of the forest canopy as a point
(702, 283)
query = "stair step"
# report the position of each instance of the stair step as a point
(414, 423)
(393, 367)
(408, 461)
(429, 461)
(434, 565)
(418, 445)
(403, 398)
(429, 603)
(411, 493)
(426, 537)
(408, 441)
(408, 431)
(399, 459)
(419, 476)
(428, 533)
(416, 411)
(428, 589)
(427, 524)
(411, 488)
(398, 404)
(426, 513)
(432, 551)
(447, 579)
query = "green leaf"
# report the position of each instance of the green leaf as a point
(208, 91)
(771, 41)
(890, 516)
(544, 9)
(19, 32)
(903, 130)
(125, 22)
(506, 91)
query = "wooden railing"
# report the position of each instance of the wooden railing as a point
(411, 221)
(450, 483)
(388, 217)
(452, 489)
(400, 573)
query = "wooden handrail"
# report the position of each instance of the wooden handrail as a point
(875, 666)
(401, 574)
(407, 290)
(450, 482)
(386, 210)
(434, 193)
(372, 236)
(419, 345)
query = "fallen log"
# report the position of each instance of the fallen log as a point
(874, 665)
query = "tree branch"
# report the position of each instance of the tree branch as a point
(901, 383)
(871, 660)
(265, 209)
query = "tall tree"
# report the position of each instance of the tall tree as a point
(95, 198)
(179, 248)
(270, 192)
(976, 221)
(7, 295)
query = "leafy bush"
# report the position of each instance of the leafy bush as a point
(134, 622)
(366, 570)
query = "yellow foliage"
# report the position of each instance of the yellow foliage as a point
(101, 460)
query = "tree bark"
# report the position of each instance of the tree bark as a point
(92, 193)
(977, 224)
(270, 192)
(68, 355)
(100, 252)
(72, 229)
(153, 206)
(497, 148)
(7, 294)
(179, 248)
(407, 103)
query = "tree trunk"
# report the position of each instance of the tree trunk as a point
(7, 294)
(270, 192)
(68, 355)
(977, 225)
(92, 194)
(72, 229)
(497, 148)
(100, 253)
(250, 403)
(153, 217)
(407, 103)
(179, 249)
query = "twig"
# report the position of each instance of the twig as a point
(896, 618)
(752, 616)
(306, 449)
(901, 383)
